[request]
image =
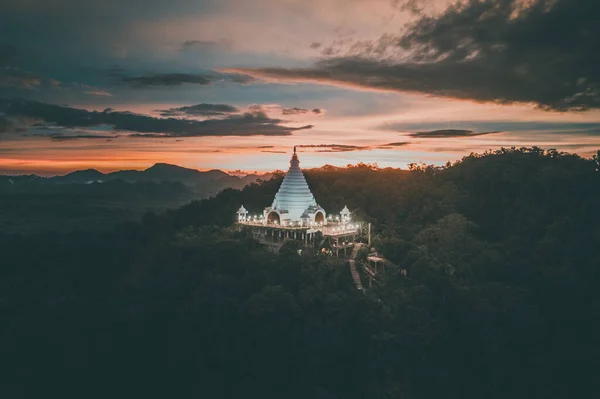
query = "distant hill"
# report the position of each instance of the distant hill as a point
(91, 200)
(160, 172)
(79, 176)
(204, 183)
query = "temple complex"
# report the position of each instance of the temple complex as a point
(296, 215)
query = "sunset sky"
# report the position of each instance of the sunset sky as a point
(235, 84)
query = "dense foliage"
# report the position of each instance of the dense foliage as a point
(500, 301)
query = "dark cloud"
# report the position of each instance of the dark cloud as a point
(247, 124)
(293, 111)
(283, 110)
(15, 124)
(296, 111)
(13, 77)
(349, 148)
(335, 147)
(6, 124)
(448, 133)
(199, 44)
(178, 79)
(397, 144)
(543, 52)
(200, 110)
(167, 79)
(239, 78)
(413, 6)
(274, 152)
(210, 45)
(315, 45)
(589, 128)
(65, 137)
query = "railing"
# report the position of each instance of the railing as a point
(330, 230)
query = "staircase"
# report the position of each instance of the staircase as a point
(353, 271)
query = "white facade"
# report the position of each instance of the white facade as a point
(242, 214)
(294, 203)
(345, 214)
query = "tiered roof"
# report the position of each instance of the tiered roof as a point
(294, 198)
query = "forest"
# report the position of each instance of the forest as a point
(500, 298)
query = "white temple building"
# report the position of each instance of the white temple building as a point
(295, 215)
(294, 204)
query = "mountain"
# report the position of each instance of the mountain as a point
(91, 200)
(160, 172)
(200, 184)
(79, 176)
(168, 172)
(251, 178)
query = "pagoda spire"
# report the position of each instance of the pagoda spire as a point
(294, 196)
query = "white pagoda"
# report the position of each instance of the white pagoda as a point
(295, 215)
(294, 204)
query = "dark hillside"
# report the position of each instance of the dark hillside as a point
(500, 300)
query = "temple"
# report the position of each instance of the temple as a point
(295, 215)
(294, 204)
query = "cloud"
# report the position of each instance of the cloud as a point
(13, 77)
(413, 6)
(190, 45)
(64, 137)
(448, 133)
(167, 79)
(240, 78)
(397, 144)
(15, 124)
(543, 52)
(178, 79)
(284, 110)
(296, 111)
(335, 147)
(349, 148)
(505, 126)
(96, 92)
(6, 125)
(247, 124)
(206, 109)
(203, 109)
(74, 87)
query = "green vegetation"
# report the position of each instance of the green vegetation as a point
(500, 301)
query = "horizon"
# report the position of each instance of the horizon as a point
(260, 172)
(236, 172)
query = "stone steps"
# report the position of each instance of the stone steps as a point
(353, 270)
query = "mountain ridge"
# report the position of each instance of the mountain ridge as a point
(203, 183)
(158, 172)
